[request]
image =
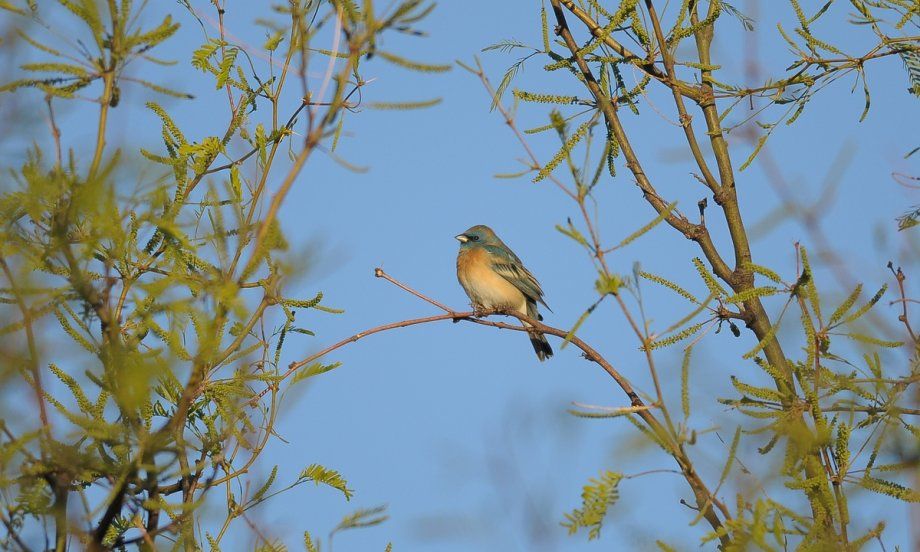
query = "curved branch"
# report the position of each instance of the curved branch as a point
(704, 497)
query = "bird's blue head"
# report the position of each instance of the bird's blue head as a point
(478, 235)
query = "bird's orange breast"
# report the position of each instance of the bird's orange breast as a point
(471, 259)
(483, 285)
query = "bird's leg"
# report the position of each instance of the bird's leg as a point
(479, 311)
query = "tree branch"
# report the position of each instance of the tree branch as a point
(695, 232)
(647, 66)
(704, 497)
(686, 121)
(30, 341)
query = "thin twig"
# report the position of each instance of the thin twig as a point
(55, 132)
(903, 317)
(30, 342)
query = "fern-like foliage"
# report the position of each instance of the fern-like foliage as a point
(596, 498)
(320, 475)
(909, 219)
(362, 517)
(912, 64)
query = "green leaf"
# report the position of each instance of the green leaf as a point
(844, 307)
(314, 369)
(763, 342)
(605, 412)
(544, 28)
(574, 233)
(581, 320)
(320, 475)
(641, 231)
(679, 336)
(5, 5)
(506, 46)
(714, 287)
(807, 282)
(670, 285)
(163, 90)
(533, 97)
(265, 486)
(303, 304)
(685, 382)
(874, 340)
(201, 56)
(732, 451)
(506, 81)
(746, 22)
(890, 488)
(83, 402)
(912, 64)
(760, 144)
(596, 498)
(609, 284)
(414, 65)
(764, 271)
(763, 393)
(842, 447)
(511, 175)
(168, 123)
(49, 67)
(865, 308)
(271, 44)
(752, 293)
(403, 106)
(564, 152)
(73, 332)
(364, 517)
(308, 543)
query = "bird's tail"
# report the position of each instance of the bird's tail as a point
(540, 345)
(538, 340)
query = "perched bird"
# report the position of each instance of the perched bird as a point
(495, 278)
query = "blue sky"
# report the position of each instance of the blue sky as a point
(457, 428)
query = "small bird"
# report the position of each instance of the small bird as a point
(495, 278)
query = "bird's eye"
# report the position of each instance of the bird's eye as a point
(474, 238)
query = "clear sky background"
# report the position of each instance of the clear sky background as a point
(458, 428)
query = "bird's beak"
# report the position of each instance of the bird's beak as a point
(462, 238)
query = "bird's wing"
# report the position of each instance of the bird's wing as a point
(507, 265)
